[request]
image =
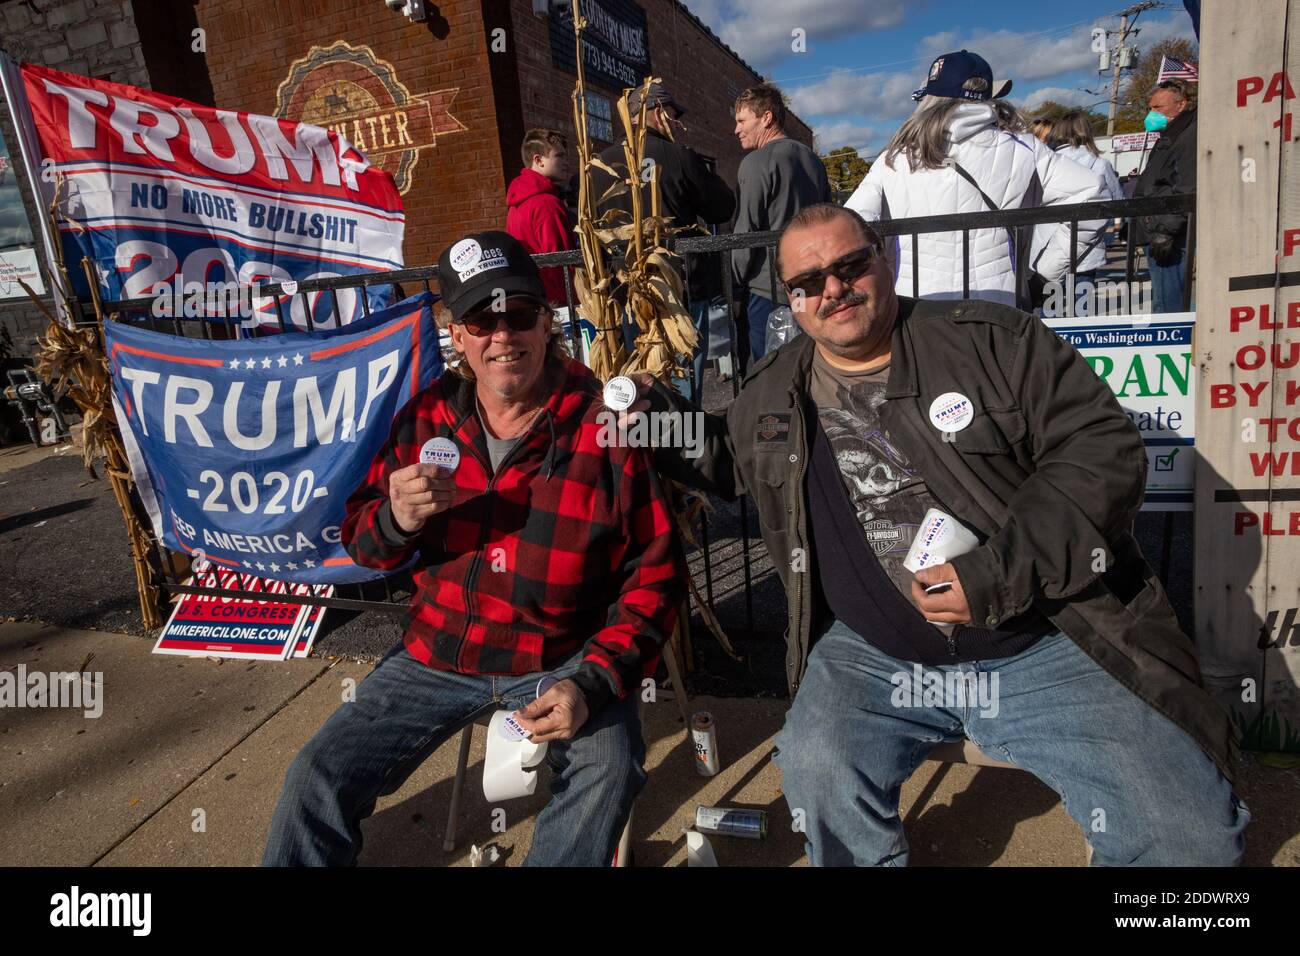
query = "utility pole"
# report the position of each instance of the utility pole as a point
(1119, 56)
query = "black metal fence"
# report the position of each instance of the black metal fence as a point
(382, 595)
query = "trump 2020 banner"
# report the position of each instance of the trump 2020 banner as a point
(168, 197)
(247, 450)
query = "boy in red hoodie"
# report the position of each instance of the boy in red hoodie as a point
(536, 215)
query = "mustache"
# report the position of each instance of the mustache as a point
(853, 298)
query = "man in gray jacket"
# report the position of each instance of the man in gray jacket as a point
(1050, 643)
(775, 181)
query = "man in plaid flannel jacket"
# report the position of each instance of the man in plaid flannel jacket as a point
(536, 550)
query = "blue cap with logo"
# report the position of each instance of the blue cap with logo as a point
(962, 76)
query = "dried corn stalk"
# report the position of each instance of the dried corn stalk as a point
(72, 361)
(650, 278)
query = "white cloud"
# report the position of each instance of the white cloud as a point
(1154, 29)
(1061, 94)
(761, 30)
(884, 95)
(863, 138)
(1020, 56)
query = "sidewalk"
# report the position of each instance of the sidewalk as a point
(183, 742)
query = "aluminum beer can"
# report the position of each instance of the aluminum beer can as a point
(725, 821)
(704, 735)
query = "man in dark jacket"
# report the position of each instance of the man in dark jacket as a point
(540, 551)
(688, 192)
(1049, 643)
(1170, 169)
(535, 210)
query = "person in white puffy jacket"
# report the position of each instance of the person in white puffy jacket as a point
(959, 127)
(1071, 137)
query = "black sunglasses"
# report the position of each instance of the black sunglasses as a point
(847, 269)
(522, 319)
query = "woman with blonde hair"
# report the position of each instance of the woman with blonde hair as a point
(1072, 138)
(965, 150)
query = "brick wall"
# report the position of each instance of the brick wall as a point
(89, 37)
(457, 185)
(702, 74)
(95, 38)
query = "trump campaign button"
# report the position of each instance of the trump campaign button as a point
(620, 393)
(951, 412)
(441, 452)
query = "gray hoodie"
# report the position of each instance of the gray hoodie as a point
(774, 182)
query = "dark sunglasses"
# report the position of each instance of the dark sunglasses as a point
(847, 269)
(517, 320)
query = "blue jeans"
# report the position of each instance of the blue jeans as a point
(699, 309)
(402, 712)
(760, 307)
(1167, 283)
(1141, 789)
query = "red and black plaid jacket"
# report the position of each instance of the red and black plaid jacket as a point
(568, 545)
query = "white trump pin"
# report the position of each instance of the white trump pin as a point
(951, 412)
(441, 452)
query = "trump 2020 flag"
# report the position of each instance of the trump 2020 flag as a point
(166, 196)
(247, 450)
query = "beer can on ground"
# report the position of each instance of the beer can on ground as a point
(725, 821)
(705, 737)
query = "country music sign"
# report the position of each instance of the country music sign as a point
(246, 451)
(615, 46)
(158, 191)
(1147, 362)
(351, 91)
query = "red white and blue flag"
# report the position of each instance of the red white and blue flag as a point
(1171, 69)
(160, 192)
(244, 451)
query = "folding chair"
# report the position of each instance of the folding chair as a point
(965, 751)
(462, 762)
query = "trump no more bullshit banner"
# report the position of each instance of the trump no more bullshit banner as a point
(247, 450)
(159, 192)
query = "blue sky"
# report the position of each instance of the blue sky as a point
(865, 57)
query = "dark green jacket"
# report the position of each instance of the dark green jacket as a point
(1050, 474)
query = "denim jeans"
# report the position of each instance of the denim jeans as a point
(1167, 283)
(402, 712)
(760, 307)
(699, 309)
(1141, 789)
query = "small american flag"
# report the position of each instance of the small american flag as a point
(1171, 69)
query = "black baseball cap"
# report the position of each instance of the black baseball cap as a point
(657, 95)
(485, 265)
(949, 73)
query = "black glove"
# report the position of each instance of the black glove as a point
(1162, 249)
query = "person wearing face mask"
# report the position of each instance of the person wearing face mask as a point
(1170, 170)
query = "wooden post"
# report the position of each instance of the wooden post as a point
(1247, 508)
